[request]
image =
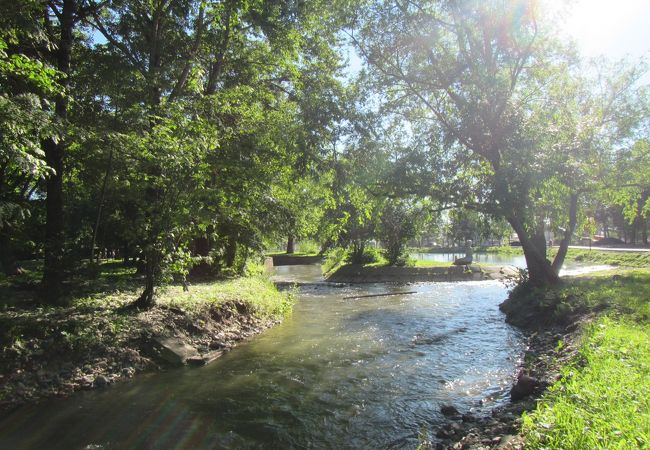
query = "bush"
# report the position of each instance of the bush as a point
(397, 226)
(334, 258)
(309, 247)
(369, 255)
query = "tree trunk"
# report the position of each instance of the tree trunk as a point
(290, 244)
(231, 252)
(566, 240)
(8, 261)
(53, 273)
(102, 196)
(540, 272)
(151, 269)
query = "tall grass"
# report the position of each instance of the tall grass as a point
(603, 398)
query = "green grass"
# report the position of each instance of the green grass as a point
(505, 250)
(624, 259)
(603, 402)
(284, 253)
(94, 309)
(603, 398)
(423, 263)
(257, 292)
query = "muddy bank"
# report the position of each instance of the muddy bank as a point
(71, 349)
(352, 273)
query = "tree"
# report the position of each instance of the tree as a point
(631, 192)
(235, 73)
(479, 81)
(399, 222)
(24, 82)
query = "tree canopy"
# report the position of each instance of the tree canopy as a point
(184, 137)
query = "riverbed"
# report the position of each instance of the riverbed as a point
(338, 373)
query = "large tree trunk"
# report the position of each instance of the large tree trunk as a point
(540, 272)
(53, 272)
(566, 240)
(291, 244)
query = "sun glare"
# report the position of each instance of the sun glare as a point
(605, 27)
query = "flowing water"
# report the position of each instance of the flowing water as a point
(338, 373)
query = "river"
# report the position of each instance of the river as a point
(338, 373)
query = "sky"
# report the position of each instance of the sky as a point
(614, 29)
(610, 28)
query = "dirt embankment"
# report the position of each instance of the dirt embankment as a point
(71, 349)
(353, 273)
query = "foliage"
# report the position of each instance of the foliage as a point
(24, 83)
(190, 133)
(334, 258)
(614, 258)
(399, 222)
(368, 256)
(600, 401)
(502, 118)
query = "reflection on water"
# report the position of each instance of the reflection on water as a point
(361, 373)
(308, 273)
(486, 258)
(570, 268)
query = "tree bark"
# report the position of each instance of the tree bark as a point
(540, 272)
(53, 271)
(231, 251)
(566, 240)
(291, 244)
(147, 299)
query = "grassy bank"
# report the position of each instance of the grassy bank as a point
(601, 400)
(503, 250)
(94, 341)
(613, 258)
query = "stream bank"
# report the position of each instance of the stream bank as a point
(559, 324)
(357, 273)
(541, 368)
(53, 352)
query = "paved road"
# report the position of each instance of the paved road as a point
(611, 249)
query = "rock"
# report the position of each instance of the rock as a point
(456, 428)
(442, 433)
(525, 386)
(128, 372)
(101, 381)
(211, 356)
(468, 418)
(449, 410)
(195, 361)
(173, 350)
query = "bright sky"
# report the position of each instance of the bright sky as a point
(612, 28)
